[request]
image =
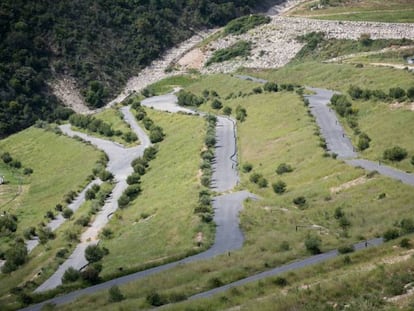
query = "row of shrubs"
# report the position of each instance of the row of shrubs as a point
(95, 125)
(156, 133)
(13, 163)
(140, 166)
(395, 93)
(204, 208)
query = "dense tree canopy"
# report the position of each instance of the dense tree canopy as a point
(98, 42)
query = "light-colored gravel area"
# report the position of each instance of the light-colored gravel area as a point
(275, 44)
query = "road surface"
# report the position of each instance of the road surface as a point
(119, 165)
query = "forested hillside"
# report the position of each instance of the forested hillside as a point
(98, 42)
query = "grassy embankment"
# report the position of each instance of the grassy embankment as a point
(160, 223)
(59, 164)
(114, 118)
(395, 11)
(385, 125)
(278, 129)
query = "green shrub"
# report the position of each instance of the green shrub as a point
(396, 153)
(391, 234)
(227, 110)
(397, 93)
(283, 168)
(300, 201)
(270, 87)
(255, 177)
(67, 213)
(216, 104)
(115, 294)
(243, 24)
(247, 167)
(279, 187)
(70, 275)
(240, 48)
(94, 253)
(345, 249)
(313, 244)
(262, 182)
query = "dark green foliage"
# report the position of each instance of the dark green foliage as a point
(262, 182)
(243, 24)
(363, 141)
(216, 104)
(115, 294)
(412, 160)
(150, 153)
(155, 299)
(227, 110)
(8, 224)
(247, 167)
(396, 153)
(365, 39)
(30, 232)
(270, 87)
(92, 124)
(300, 201)
(129, 136)
(397, 93)
(391, 234)
(255, 177)
(99, 43)
(15, 256)
(95, 94)
(91, 273)
(312, 40)
(71, 275)
(123, 201)
(284, 246)
(67, 213)
(280, 281)
(240, 48)
(279, 187)
(94, 253)
(342, 105)
(313, 244)
(284, 168)
(27, 171)
(185, 98)
(45, 234)
(61, 253)
(90, 194)
(257, 90)
(50, 215)
(6, 157)
(407, 225)
(241, 113)
(339, 213)
(134, 178)
(410, 93)
(83, 220)
(156, 134)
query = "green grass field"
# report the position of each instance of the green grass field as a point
(337, 76)
(393, 11)
(113, 117)
(278, 129)
(59, 164)
(167, 85)
(392, 57)
(161, 222)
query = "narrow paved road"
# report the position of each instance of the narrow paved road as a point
(288, 267)
(119, 165)
(166, 103)
(59, 219)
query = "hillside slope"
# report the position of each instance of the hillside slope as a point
(99, 43)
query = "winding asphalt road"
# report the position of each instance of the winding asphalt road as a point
(119, 165)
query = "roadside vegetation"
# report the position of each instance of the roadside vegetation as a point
(239, 49)
(61, 166)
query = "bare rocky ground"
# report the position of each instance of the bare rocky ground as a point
(275, 44)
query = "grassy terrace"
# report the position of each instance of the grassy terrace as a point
(277, 129)
(59, 164)
(161, 223)
(396, 11)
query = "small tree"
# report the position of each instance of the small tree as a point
(115, 294)
(283, 168)
(410, 93)
(67, 213)
(396, 153)
(247, 167)
(313, 244)
(397, 93)
(70, 275)
(279, 187)
(270, 87)
(216, 104)
(300, 201)
(94, 253)
(262, 182)
(391, 234)
(227, 110)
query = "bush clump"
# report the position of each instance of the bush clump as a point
(396, 153)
